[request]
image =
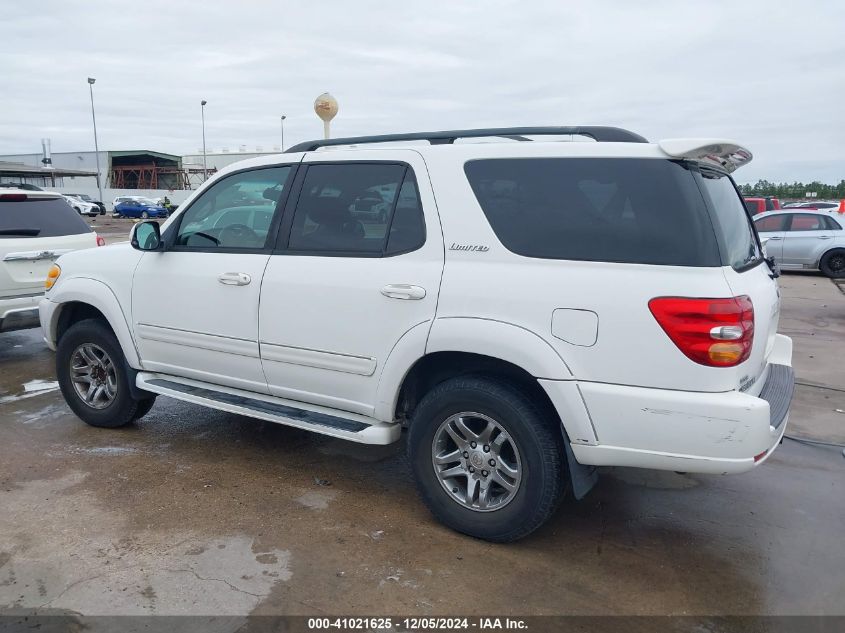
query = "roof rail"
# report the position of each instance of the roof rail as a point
(598, 133)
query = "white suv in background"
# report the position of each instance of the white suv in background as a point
(36, 227)
(528, 310)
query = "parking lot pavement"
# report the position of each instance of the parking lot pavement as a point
(199, 511)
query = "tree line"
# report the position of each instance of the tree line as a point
(794, 190)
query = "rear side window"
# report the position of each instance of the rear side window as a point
(357, 208)
(50, 217)
(632, 210)
(807, 222)
(833, 224)
(771, 223)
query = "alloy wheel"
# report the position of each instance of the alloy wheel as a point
(93, 375)
(476, 461)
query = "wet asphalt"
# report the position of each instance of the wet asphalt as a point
(195, 511)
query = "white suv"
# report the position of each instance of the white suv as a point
(528, 310)
(36, 227)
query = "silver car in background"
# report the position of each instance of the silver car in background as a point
(803, 239)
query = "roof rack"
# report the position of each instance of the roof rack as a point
(598, 133)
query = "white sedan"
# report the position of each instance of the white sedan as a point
(804, 239)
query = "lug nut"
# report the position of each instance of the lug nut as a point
(486, 448)
(484, 473)
(466, 454)
(471, 469)
(492, 462)
(473, 444)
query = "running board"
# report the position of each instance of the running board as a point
(347, 426)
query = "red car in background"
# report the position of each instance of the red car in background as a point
(761, 205)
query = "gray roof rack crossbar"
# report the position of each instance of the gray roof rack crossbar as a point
(598, 133)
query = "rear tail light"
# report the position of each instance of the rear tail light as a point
(12, 197)
(712, 332)
(101, 241)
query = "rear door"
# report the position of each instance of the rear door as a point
(34, 231)
(344, 286)
(807, 237)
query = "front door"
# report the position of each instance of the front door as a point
(359, 265)
(772, 229)
(195, 305)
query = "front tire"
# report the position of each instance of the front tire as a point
(486, 461)
(91, 370)
(833, 263)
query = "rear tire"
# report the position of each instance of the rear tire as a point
(91, 369)
(524, 449)
(833, 263)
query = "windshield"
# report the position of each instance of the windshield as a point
(730, 217)
(147, 201)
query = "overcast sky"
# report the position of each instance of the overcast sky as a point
(769, 74)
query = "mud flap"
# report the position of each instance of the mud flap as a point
(583, 477)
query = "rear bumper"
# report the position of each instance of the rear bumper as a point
(718, 433)
(19, 313)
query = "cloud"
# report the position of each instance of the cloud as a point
(768, 74)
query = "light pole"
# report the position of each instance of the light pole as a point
(91, 81)
(204, 164)
(283, 132)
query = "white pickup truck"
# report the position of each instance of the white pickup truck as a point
(527, 309)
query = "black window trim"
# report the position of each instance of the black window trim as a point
(169, 238)
(283, 237)
(834, 225)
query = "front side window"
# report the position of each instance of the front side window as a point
(236, 212)
(357, 208)
(771, 224)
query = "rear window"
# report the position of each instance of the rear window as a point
(738, 243)
(631, 210)
(34, 217)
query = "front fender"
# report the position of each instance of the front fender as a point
(98, 295)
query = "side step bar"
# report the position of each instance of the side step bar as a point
(347, 426)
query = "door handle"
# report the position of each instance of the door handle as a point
(825, 237)
(772, 239)
(234, 279)
(403, 291)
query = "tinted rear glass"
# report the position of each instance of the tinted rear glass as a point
(738, 243)
(40, 218)
(632, 210)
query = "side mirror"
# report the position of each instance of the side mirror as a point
(146, 236)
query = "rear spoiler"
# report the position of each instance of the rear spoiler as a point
(728, 155)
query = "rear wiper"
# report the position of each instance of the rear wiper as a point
(773, 267)
(26, 232)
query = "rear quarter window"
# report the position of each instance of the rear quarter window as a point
(627, 210)
(34, 217)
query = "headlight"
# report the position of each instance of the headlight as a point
(52, 276)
